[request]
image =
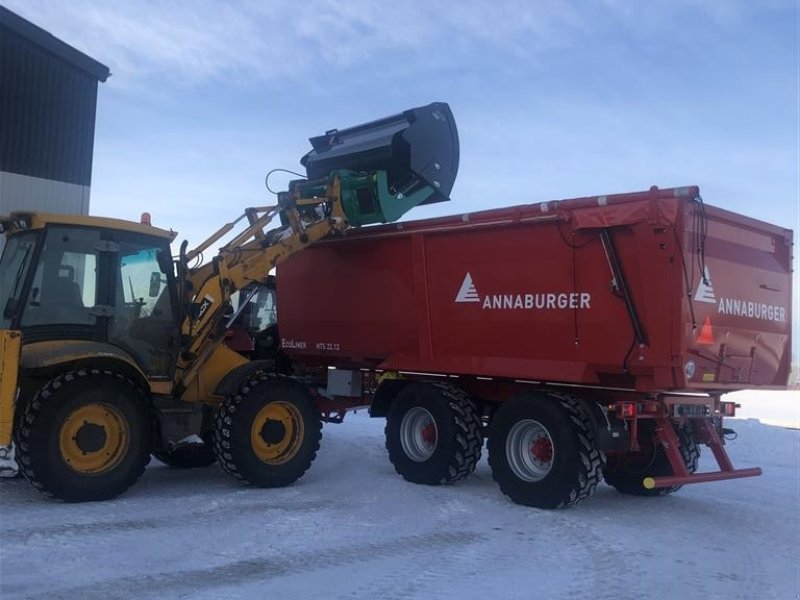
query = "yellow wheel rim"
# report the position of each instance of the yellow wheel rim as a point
(94, 438)
(277, 433)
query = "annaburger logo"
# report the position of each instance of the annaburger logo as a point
(705, 291)
(736, 306)
(564, 300)
(468, 291)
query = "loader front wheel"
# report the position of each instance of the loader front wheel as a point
(542, 451)
(434, 434)
(85, 436)
(268, 433)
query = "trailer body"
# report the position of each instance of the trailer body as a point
(651, 291)
(587, 339)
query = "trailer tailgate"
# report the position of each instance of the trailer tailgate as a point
(737, 314)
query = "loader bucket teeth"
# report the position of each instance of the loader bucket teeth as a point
(418, 150)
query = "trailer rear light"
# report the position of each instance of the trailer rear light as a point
(728, 409)
(627, 410)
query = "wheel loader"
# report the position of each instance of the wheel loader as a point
(112, 349)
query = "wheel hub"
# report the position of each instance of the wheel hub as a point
(94, 438)
(418, 434)
(273, 431)
(542, 450)
(91, 437)
(429, 434)
(277, 432)
(529, 450)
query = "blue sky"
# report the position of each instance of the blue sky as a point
(552, 99)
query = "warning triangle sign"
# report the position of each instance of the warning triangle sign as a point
(706, 336)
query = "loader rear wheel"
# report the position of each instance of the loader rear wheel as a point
(542, 451)
(434, 434)
(626, 472)
(85, 436)
(267, 434)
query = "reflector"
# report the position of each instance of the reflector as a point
(706, 336)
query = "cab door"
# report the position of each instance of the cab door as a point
(144, 322)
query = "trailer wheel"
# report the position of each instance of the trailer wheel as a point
(86, 435)
(434, 434)
(267, 434)
(542, 451)
(626, 472)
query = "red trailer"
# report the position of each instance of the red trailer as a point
(585, 338)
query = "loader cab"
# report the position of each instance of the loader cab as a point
(65, 279)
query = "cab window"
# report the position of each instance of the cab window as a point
(17, 257)
(64, 287)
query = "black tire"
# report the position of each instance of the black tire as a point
(248, 456)
(55, 462)
(574, 467)
(190, 456)
(626, 473)
(457, 441)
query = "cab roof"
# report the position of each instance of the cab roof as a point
(23, 220)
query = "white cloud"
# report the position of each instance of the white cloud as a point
(196, 41)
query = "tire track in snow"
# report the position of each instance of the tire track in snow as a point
(166, 584)
(25, 534)
(604, 575)
(745, 578)
(478, 566)
(405, 580)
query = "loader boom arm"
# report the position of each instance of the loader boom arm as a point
(248, 258)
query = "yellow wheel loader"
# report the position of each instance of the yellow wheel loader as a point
(112, 349)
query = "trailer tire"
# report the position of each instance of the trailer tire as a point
(434, 434)
(86, 435)
(627, 477)
(268, 433)
(542, 451)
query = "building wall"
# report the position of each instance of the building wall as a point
(22, 192)
(48, 99)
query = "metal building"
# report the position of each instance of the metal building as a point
(48, 97)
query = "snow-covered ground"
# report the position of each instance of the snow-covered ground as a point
(353, 529)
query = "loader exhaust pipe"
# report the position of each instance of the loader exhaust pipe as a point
(388, 166)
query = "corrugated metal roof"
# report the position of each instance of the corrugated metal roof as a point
(52, 44)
